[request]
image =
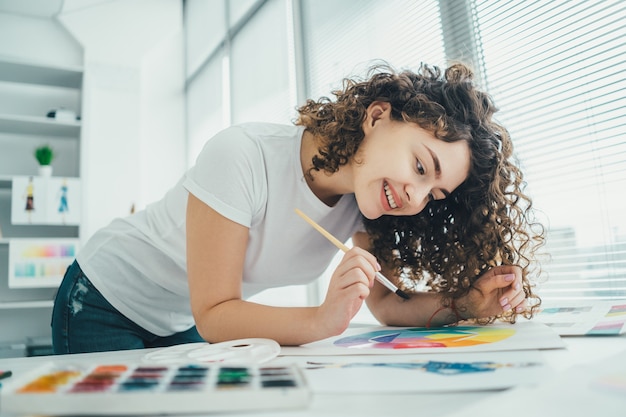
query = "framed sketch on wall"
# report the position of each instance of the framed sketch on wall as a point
(38, 263)
(41, 200)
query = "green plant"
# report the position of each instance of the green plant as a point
(44, 155)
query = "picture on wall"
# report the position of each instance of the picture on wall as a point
(45, 200)
(38, 263)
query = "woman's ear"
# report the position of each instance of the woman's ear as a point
(377, 111)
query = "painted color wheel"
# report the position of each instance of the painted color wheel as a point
(447, 337)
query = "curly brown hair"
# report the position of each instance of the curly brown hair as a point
(486, 221)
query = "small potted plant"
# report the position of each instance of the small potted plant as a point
(44, 155)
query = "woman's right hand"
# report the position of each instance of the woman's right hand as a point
(349, 286)
(495, 292)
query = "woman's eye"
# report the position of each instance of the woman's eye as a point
(420, 167)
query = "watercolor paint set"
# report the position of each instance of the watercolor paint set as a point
(126, 389)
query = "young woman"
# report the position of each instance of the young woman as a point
(410, 165)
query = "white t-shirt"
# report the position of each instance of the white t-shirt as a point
(250, 174)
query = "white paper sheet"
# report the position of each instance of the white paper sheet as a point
(596, 389)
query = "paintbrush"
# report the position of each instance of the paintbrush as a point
(380, 277)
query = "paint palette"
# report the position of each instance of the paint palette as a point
(125, 389)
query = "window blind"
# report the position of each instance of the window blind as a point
(557, 70)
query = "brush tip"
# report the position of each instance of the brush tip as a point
(402, 294)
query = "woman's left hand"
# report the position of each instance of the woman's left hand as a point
(495, 292)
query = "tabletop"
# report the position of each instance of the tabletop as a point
(568, 369)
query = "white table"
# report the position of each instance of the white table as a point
(578, 351)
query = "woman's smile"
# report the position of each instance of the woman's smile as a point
(390, 198)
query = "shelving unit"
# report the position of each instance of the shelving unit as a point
(28, 91)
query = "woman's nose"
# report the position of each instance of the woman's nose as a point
(417, 198)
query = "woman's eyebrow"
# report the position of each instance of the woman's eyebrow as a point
(435, 162)
(437, 168)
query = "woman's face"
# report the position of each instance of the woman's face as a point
(400, 167)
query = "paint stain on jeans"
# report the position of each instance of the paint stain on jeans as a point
(78, 296)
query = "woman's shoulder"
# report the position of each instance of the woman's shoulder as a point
(252, 134)
(259, 130)
(248, 146)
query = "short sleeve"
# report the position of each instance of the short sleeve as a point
(229, 175)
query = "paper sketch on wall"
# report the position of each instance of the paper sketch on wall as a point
(39, 262)
(39, 200)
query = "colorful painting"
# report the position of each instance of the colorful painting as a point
(617, 310)
(567, 310)
(606, 329)
(585, 317)
(427, 338)
(35, 263)
(386, 340)
(449, 368)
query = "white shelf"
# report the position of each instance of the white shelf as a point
(32, 125)
(26, 304)
(6, 181)
(35, 73)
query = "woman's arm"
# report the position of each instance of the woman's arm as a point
(216, 249)
(496, 291)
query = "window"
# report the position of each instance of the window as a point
(261, 89)
(206, 110)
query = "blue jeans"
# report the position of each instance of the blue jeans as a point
(84, 321)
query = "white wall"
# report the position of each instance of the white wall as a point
(37, 39)
(163, 144)
(133, 103)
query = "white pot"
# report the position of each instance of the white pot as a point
(45, 170)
